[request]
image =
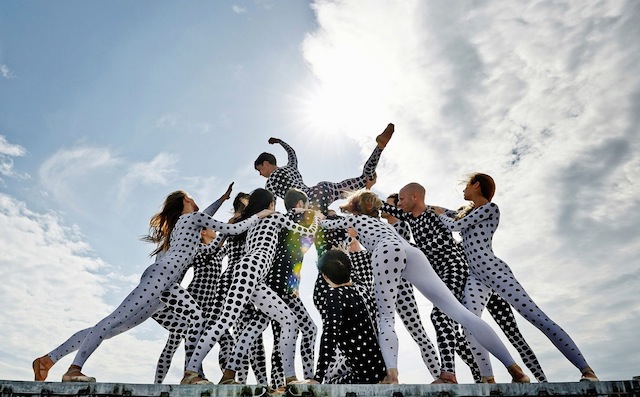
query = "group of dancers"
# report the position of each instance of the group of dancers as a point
(369, 261)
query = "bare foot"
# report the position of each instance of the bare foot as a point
(391, 378)
(41, 367)
(385, 136)
(73, 374)
(517, 375)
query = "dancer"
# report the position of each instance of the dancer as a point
(248, 285)
(346, 325)
(281, 179)
(449, 262)
(488, 273)
(176, 230)
(207, 266)
(394, 258)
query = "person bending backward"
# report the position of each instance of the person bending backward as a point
(488, 273)
(346, 325)
(394, 258)
(248, 285)
(450, 264)
(176, 230)
(281, 179)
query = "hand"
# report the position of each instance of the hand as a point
(273, 140)
(437, 210)
(227, 194)
(264, 213)
(371, 181)
(320, 216)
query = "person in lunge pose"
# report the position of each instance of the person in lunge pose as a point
(448, 260)
(281, 179)
(394, 258)
(489, 275)
(176, 230)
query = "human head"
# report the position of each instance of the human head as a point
(162, 223)
(260, 199)
(240, 202)
(336, 266)
(411, 195)
(362, 202)
(483, 182)
(265, 164)
(392, 199)
(293, 196)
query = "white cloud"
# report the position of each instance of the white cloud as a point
(238, 9)
(543, 96)
(159, 171)
(6, 72)
(7, 151)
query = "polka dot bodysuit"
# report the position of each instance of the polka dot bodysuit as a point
(144, 300)
(450, 263)
(394, 258)
(346, 325)
(489, 274)
(324, 193)
(247, 284)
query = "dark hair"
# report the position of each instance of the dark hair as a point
(487, 185)
(238, 205)
(259, 200)
(264, 156)
(292, 197)
(336, 265)
(161, 224)
(395, 198)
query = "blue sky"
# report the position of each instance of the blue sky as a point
(106, 107)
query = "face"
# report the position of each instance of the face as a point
(264, 169)
(405, 201)
(210, 233)
(469, 190)
(189, 204)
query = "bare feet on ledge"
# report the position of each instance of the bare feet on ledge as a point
(385, 136)
(517, 376)
(73, 374)
(588, 375)
(41, 367)
(487, 379)
(445, 377)
(391, 378)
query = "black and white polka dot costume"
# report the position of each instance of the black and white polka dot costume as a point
(247, 284)
(394, 258)
(489, 274)
(324, 193)
(450, 263)
(283, 278)
(145, 300)
(207, 267)
(347, 326)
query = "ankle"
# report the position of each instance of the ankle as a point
(487, 379)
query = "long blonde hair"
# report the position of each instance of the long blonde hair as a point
(161, 224)
(363, 202)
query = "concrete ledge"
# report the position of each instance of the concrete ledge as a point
(629, 388)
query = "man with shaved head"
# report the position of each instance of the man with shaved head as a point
(449, 262)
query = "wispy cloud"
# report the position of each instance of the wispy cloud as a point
(7, 151)
(6, 72)
(238, 9)
(159, 171)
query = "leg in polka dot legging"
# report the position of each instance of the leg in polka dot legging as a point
(322, 195)
(394, 259)
(478, 291)
(245, 287)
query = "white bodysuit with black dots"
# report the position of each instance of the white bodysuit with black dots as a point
(393, 258)
(248, 284)
(144, 300)
(489, 274)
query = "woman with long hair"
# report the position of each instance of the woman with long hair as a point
(393, 258)
(488, 274)
(176, 231)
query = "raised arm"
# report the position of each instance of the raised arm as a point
(213, 208)
(292, 160)
(204, 220)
